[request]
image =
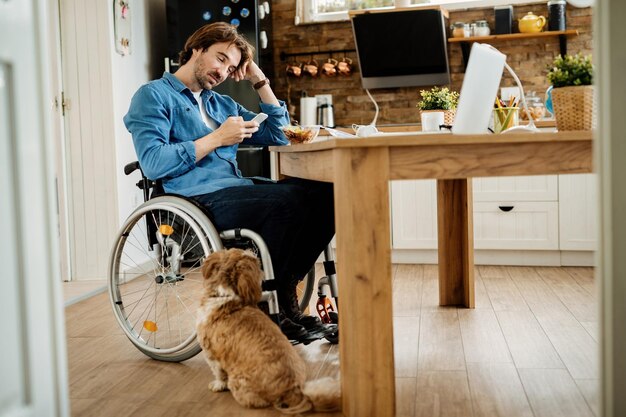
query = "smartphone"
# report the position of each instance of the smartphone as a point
(260, 118)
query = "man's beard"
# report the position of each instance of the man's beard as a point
(203, 79)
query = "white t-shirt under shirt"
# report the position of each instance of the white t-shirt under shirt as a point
(205, 117)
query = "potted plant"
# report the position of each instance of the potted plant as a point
(571, 78)
(440, 100)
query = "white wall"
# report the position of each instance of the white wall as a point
(148, 49)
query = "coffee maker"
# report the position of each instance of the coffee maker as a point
(325, 111)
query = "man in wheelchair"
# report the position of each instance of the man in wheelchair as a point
(186, 135)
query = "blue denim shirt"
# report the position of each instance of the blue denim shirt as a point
(164, 121)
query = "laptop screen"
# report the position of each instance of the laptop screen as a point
(479, 90)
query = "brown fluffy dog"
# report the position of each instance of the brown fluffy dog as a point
(246, 351)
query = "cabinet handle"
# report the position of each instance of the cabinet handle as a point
(506, 208)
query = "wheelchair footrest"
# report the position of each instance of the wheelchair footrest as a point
(322, 332)
(325, 309)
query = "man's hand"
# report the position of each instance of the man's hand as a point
(249, 71)
(235, 130)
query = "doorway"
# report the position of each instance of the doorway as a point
(85, 145)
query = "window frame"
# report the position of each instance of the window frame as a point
(304, 16)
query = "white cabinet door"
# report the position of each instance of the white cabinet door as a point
(578, 211)
(528, 188)
(516, 225)
(414, 214)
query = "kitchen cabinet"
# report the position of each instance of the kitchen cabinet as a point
(531, 213)
(578, 207)
(516, 213)
(414, 214)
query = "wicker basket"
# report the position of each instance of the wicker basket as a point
(574, 107)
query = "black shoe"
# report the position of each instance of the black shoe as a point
(292, 330)
(288, 301)
(311, 323)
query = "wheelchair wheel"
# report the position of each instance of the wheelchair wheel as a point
(304, 290)
(155, 282)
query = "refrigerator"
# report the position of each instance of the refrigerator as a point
(253, 21)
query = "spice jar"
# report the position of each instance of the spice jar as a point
(482, 28)
(460, 30)
(535, 107)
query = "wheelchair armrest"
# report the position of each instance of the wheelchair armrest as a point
(132, 167)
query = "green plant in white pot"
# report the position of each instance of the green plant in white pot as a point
(437, 100)
(571, 77)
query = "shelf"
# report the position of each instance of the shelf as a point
(510, 36)
(561, 34)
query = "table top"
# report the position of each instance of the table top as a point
(446, 156)
(435, 139)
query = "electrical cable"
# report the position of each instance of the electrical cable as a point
(375, 106)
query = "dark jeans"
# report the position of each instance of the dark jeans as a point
(294, 217)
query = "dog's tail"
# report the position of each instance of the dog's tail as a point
(322, 395)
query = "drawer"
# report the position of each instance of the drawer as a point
(527, 188)
(516, 225)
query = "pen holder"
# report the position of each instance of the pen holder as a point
(504, 118)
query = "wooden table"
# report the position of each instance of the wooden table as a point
(360, 170)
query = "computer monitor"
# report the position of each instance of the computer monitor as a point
(401, 48)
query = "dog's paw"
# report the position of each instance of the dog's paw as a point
(218, 386)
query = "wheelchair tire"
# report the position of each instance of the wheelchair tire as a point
(154, 291)
(305, 291)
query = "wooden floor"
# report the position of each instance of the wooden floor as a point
(75, 291)
(530, 348)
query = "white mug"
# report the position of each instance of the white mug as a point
(431, 120)
(364, 130)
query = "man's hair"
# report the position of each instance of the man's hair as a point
(212, 33)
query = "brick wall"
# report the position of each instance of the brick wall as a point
(529, 58)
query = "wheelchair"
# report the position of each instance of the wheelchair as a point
(155, 279)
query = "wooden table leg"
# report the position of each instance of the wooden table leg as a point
(364, 278)
(456, 242)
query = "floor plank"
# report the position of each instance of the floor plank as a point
(440, 342)
(584, 276)
(504, 295)
(407, 290)
(483, 340)
(405, 397)
(553, 393)
(578, 300)
(590, 388)
(405, 345)
(443, 394)
(497, 391)
(528, 343)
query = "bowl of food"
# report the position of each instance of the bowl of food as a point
(301, 134)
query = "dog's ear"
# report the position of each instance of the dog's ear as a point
(249, 276)
(212, 264)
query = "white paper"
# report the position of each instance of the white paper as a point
(308, 111)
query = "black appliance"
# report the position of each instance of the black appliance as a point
(253, 21)
(504, 19)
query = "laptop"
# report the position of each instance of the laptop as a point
(479, 89)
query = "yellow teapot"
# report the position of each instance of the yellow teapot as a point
(531, 23)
